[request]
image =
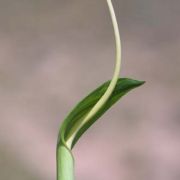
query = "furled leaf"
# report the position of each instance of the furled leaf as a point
(73, 127)
(74, 119)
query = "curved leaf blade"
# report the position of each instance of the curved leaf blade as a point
(73, 120)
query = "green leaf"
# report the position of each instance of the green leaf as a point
(73, 120)
(73, 123)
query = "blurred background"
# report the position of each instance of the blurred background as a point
(54, 52)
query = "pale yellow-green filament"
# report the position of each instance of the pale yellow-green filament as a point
(115, 77)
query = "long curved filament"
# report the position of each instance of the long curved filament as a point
(115, 77)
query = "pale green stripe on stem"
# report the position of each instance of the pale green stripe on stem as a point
(112, 85)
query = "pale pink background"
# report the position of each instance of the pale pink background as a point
(53, 52)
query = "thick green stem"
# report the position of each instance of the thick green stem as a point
(65, 164)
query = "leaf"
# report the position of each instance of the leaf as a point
(72, 122)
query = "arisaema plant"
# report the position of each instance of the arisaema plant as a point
(91, 108)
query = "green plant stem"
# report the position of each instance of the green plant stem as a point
(65, 164)
(65, 161)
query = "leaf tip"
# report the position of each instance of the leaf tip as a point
(136, 83)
